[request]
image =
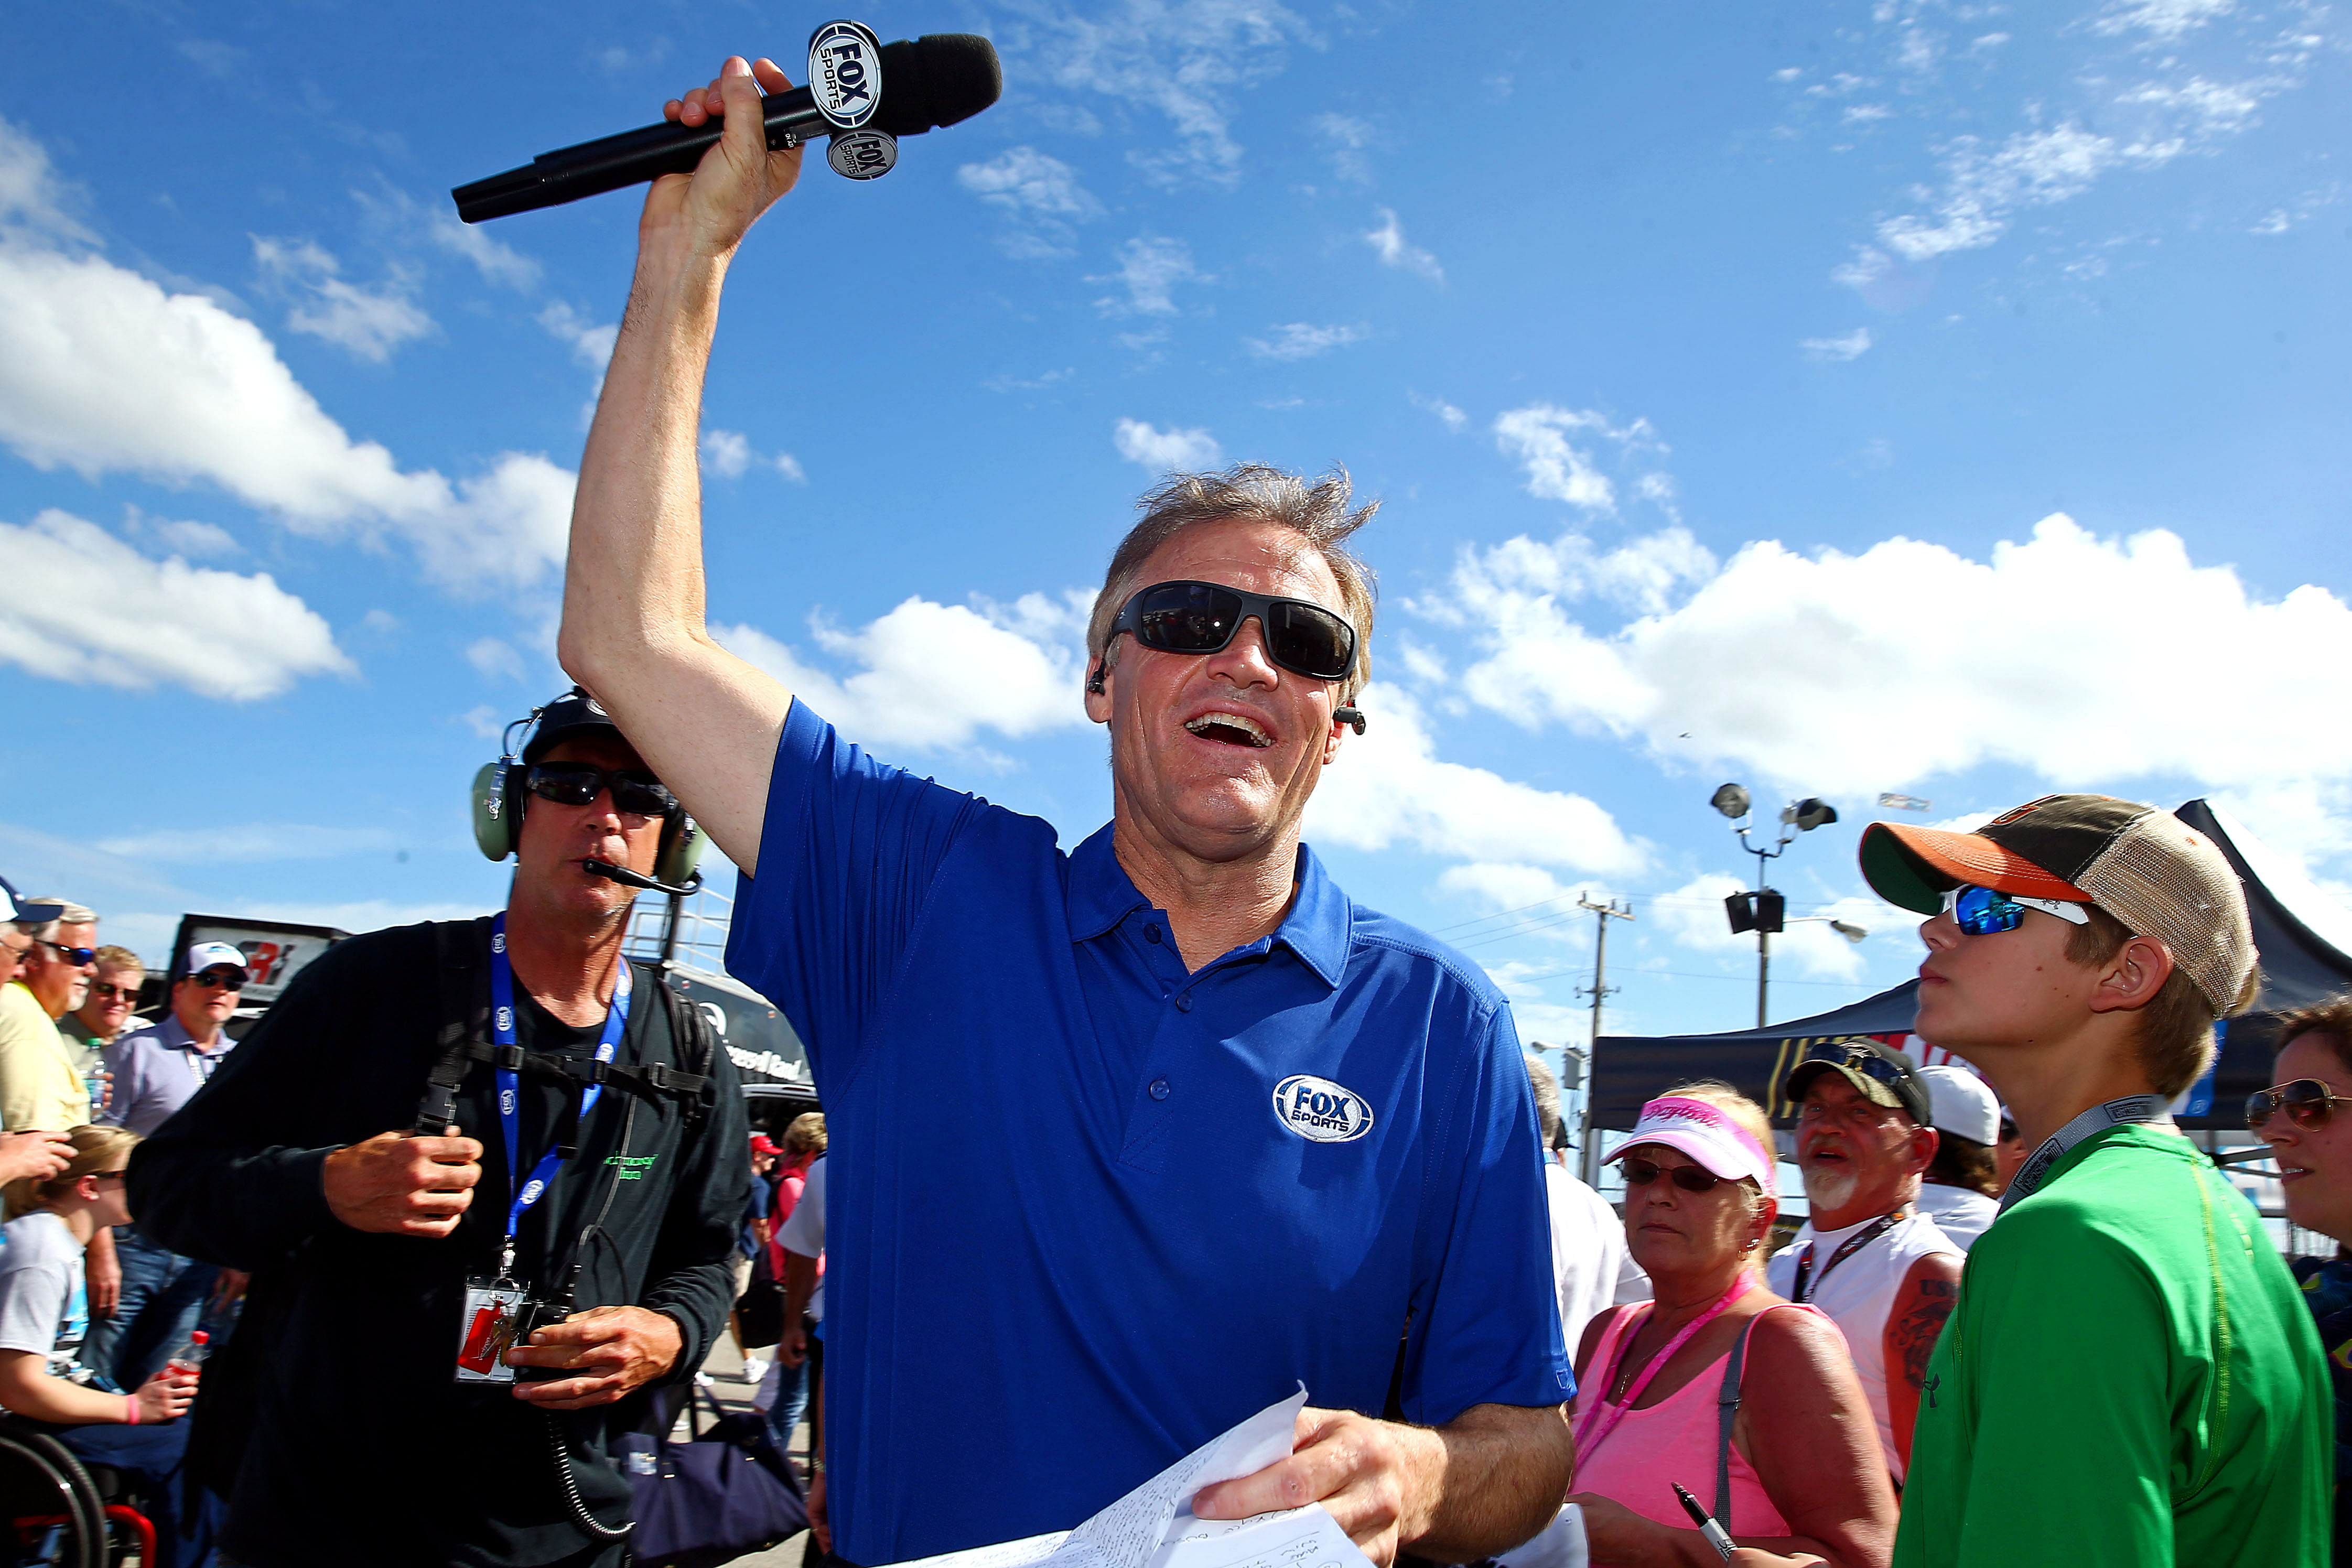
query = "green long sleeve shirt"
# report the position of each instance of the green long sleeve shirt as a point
(2130, 1378)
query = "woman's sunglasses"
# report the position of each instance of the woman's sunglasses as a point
(2308, 1102)
(1690, 1179)
(1203, 617)
(1982, 911)
(579, 784)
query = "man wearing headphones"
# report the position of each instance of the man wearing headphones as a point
(582, 1099)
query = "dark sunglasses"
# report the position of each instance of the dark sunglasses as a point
(108, 993)
(230, 981)
(79, 957)
(1984, 911)
(2308, 1102)
(1690, 1179)
(579, 784)
(1203, 617)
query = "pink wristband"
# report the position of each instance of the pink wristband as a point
(131, 1407)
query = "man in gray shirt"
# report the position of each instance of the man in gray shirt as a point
(156, 1071)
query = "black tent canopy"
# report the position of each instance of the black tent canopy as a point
(2303, 937)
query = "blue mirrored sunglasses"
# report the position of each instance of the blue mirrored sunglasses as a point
(1982, 911)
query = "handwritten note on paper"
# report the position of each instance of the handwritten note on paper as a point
(1154, 1526)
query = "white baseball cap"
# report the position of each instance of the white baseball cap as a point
(202, 956)
(1959, 1101)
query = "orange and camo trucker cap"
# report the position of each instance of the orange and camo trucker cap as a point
(2148, 868)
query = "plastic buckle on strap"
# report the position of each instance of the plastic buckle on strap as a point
(593, 1072)
(508, 1057)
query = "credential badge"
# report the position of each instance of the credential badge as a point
(1322, 1110)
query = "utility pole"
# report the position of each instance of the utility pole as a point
(1587, 1151)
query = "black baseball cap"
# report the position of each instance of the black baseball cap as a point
(1881, 1076)
(572, 716)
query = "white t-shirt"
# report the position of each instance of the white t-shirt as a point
(1959, 1212)
(803, 1232)
(1858, 1294)
(1588, 1254)
(43, 1307)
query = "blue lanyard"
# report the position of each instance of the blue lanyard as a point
(502, 1032)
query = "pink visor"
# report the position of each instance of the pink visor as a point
(1708, 1135)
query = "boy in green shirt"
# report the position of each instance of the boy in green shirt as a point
(2129, 1376)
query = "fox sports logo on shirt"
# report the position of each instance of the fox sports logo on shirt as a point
(1322, 1110)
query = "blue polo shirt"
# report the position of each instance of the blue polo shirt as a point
(1087, 1210)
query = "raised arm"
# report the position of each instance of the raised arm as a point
(633, 594)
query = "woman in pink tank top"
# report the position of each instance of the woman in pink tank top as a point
(1803, 1473)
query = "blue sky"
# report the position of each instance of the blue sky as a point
(1843, 398)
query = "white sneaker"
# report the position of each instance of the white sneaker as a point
(755, 1368)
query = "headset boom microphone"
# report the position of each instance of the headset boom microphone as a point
(934, 81)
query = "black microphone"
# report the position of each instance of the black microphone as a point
(628, 878)
(934, 81)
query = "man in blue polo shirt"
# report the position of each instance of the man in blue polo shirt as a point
(1135, 1139)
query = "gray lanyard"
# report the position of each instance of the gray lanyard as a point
(2143, 1108)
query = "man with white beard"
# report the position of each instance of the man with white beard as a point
(1867, 1257)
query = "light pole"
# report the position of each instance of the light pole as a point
(1765, 911)
(1586, 1155)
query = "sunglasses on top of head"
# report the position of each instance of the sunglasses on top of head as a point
(1203, 617)
(2308, 1102)
(579, 783)
(1984, 911)
(1690, 1179)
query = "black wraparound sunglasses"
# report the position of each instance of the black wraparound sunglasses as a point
(1203, 617)
(579, 783)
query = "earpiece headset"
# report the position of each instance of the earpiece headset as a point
(500, 799)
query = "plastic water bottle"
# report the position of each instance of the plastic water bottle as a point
(190, 1357)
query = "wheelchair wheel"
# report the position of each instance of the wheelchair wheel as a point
(54, 1515)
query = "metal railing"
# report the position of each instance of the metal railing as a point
(693, 930)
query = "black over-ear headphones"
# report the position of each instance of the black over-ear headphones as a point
(500, 799)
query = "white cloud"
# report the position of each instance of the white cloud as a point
(1389, 789)
(790, 467)
(1837, 351)
(1559, 469)
(933, 675)
(1453, 417)
(1149, 268)
(33, 200)
(495, 658)
(185, 537)
(1387, 242)
(1301, 340)
(2165, 20)
(1181, 58)
(591, 345)
(2088, 662)
(1160, 450)
(256, 842)
(78, 604)
(1040, 192)
(370, 323)
(1345, 137)
(726, 453)
(496, 261)
(1501, 885)
(104, 370)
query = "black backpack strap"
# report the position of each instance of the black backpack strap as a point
(464, 1011)
(1727, 1407)
(697, 1044)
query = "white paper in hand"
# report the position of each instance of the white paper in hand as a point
(1154, 1527)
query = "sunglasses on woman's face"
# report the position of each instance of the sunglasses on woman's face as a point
(2308, 1102)
(1203, 617)
(1690, 1179)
